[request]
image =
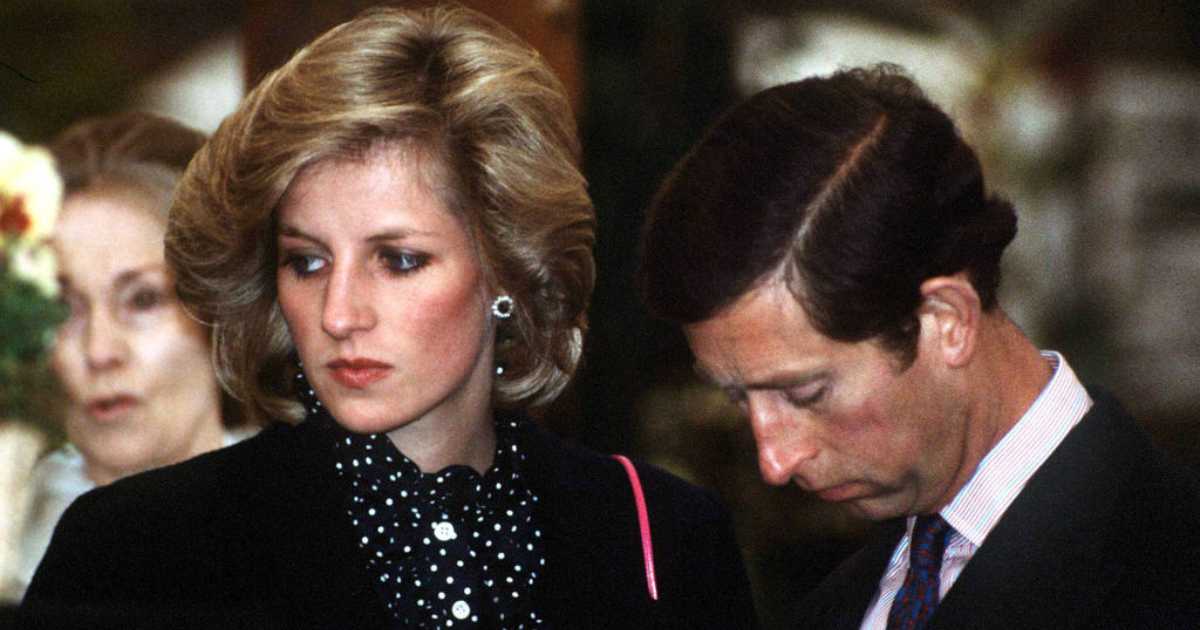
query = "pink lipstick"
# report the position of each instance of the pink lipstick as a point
(358, 373)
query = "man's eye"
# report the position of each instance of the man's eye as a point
(805, 396)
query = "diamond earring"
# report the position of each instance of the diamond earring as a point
(503, 307)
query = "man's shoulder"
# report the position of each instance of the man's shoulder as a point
(1108, 513)
(1123, 447)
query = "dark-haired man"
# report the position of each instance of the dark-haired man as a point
(833, 256)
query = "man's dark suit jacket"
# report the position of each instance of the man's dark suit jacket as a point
(1106, 534)
(256, 536)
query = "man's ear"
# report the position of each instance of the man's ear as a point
(950, 310)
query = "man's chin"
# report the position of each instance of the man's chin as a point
(875, 508)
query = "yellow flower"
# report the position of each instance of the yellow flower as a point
(30, 191)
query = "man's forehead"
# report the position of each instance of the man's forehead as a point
(766, 311)
(761, 339)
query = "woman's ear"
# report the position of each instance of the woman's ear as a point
(950, 310)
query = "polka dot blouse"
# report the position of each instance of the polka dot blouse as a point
(451, 549)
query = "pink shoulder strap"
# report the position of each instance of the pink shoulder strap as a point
(643, 524)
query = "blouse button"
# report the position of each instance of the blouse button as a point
(460, 609)
(444, 531)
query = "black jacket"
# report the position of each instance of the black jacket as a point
(1106, 534)
(254, 536)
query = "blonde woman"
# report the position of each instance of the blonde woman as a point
(392, 242)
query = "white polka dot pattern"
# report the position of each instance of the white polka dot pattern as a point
(447, 549)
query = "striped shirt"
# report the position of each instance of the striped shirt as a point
(1000, 477)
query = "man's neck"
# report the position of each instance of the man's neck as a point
(1010, 374)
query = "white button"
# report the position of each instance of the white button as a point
(460, 609)
(444, 531)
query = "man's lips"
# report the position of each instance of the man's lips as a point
(109, 408)
(842, 492)
(358, 373)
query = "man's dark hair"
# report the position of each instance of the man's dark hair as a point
(855, 186)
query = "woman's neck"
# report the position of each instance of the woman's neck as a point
(434, 443)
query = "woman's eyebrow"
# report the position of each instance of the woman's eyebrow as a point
(129, 276)
(389, 234)
(398, 234)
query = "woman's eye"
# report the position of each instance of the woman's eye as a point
(403, 262)
(304, 265)
(145, 299)
(76, 306)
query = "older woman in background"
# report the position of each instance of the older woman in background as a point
(392, 240)
(141, 392)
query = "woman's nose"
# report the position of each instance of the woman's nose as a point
(105, 345)
(782, 440)
(348, 306)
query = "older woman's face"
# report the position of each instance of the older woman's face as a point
(135, 366)
(384, 295)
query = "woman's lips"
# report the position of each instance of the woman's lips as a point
(358, 373)
(110, 408)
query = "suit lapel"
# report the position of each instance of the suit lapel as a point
(1051, 557)
(842, 598)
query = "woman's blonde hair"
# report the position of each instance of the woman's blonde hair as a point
(464, 91)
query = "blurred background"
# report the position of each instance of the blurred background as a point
(1086, 113)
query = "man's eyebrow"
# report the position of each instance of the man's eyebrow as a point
(788, 380)
(782, 380)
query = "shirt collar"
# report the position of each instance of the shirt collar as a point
(1004, 471)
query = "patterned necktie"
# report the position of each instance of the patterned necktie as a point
(918, 597)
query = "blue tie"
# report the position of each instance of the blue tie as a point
(918, 597)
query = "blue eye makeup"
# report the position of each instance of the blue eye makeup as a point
(304, 265)
(402, 262)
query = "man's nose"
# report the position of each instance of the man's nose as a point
(784, 443)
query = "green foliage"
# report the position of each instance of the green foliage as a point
(27, 323)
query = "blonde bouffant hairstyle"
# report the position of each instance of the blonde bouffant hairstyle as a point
(460, 89)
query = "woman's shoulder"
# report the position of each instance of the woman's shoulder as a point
(204, 489)
(572, 469)
(686, 547)
(176, 533)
